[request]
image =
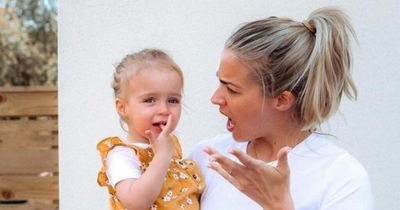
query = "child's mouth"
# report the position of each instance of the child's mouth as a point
(159, 124)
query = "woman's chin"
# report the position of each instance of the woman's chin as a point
(239, 138)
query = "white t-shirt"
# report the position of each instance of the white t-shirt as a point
(122, 163)
(322, 176)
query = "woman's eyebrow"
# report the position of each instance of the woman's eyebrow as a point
(226, 82)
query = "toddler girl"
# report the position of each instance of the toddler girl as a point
(146, 169)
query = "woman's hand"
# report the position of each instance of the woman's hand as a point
(266, 185)
(162, 144)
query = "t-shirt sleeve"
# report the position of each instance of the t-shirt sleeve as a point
(122, 163)
(351, 191)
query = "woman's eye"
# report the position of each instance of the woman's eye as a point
(231, 91)
(149, 100)
(173, 101)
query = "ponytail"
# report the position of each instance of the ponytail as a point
(328, 66)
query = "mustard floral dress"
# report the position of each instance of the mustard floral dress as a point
(183, 183)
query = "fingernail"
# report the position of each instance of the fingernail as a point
(231, 150)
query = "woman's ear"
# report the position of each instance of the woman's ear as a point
(284, 101)
(120, 107)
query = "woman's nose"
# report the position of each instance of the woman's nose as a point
(217, 98)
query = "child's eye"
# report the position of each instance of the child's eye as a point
(173, 100)
(149, 100)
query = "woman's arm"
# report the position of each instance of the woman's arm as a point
(266, 185)
(138, 194)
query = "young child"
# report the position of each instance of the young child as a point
(146, 170)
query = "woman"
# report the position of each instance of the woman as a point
(279, 80)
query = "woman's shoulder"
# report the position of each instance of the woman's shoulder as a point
(338, 174)
(335, 160)
(346, 179)
(348, 167)
(342, 163)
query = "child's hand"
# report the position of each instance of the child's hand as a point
(163, 143)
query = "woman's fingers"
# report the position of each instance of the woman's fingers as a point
(244, 158)
(253, 177)
(223, 165)
(218, 168)
(229, 167)
(215, 156)
(210, 151)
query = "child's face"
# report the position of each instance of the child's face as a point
(151, 95)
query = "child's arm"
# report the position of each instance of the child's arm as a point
(137, 194)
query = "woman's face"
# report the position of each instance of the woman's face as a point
(241, 100)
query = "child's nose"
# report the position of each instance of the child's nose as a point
(164, 109)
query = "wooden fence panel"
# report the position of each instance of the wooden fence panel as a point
(29, 205)
(28, 187)
(28, 148)
(28, 161)
(28, 134)
(28, 102)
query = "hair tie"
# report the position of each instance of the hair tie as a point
(309, 27)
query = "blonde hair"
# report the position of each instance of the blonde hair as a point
(312, 59)
(133, 63)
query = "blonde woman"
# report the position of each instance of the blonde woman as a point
(279, 80)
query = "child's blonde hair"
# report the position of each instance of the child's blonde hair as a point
(133, 63)
(312, 59)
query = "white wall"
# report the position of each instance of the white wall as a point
(95, 34)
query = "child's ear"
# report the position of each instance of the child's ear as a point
(120, 107)
(284, 101)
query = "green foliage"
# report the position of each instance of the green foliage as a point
(28, 42)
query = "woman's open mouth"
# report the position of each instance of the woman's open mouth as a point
(230, 124)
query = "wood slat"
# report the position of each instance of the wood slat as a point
(28, 89)
(32, 205)
(28, 161)
(27, 103)
(28, 133)
(28, 187)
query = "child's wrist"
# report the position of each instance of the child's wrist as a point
(166, 154)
